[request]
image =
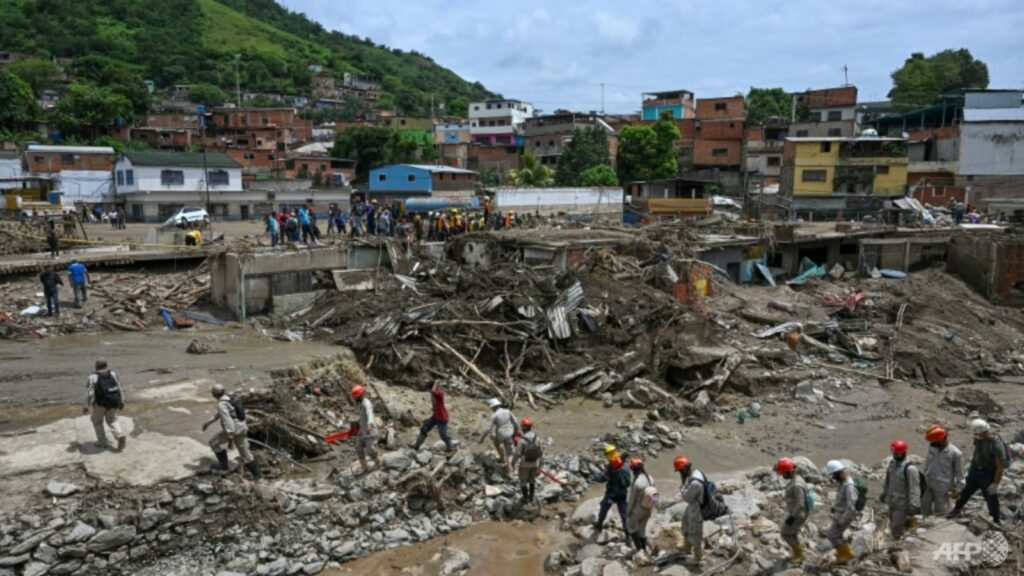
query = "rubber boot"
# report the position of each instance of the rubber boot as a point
(844, 553)
(698, 555)
(222, 460)
(254, 469)
(797, 557)
(643, 543)
(533, 490)
(526, 494)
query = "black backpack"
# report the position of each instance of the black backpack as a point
(236, 405)
(107, 392)
(714, 505)
(533, 451)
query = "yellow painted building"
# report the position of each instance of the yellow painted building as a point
(829, 167)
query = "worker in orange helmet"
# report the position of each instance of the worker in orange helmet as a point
(943, 472)
(643, 498)
(366, 439)
(797, 498)
(901, 491)
(528, 456)
(692, 491)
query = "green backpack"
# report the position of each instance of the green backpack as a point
(862, 493)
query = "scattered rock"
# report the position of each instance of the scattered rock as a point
(453, 561)
(110, 539)
(61, 489)
(80, 533)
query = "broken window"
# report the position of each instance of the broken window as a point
(814, 175)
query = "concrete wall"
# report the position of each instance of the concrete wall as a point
(606, 202)
(992, 149)
(992, 265)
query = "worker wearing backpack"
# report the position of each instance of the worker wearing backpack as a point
(234, 432)
(642, 499)
(692, 490)
(528, 456)
(901, 491)
(103, 398)
(844, 511)
(799, 499)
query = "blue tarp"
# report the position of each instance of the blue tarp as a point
(808, 270)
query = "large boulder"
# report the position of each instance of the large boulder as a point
(111, 539)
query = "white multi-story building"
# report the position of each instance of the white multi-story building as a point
(154, 185)
(499, 121)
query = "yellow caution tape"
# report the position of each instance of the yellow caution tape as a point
(102, 243)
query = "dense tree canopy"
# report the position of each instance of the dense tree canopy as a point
(921, 80)
(204, 93)
(373, 146)
(531, 173)
(17, 106)
(588, 148)
(647, 152)
(601, 175)
(38, 73)
(87, 110)
(763, 104)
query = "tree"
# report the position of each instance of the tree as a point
(204, 93)
(86, 110)
(17, 106)
(922, 80)
(531, 173)
(457, 106)
(601, 175)
(588, 148)
(762, 104)
(38, 73)
(373, 146)
(116, 76)
(647, 152)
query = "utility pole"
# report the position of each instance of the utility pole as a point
(846, 75)
(201, 109)
(602, 98)
(238, 82)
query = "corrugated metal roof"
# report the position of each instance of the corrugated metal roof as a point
(434, 168)
(70, 149)
(994, 114)
(182, 159)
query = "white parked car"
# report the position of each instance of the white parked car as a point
(189, 214)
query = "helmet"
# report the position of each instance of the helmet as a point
(616, 463)
(609, 449)
(217, 390)
(898, 447)
(635, 462)
(493, 403)
(979, 427)
(680, 463)
(935, 433)
(358, 391)
(834, 466)
(526, 422)
(784, 466)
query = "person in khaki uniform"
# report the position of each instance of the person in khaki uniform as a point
(528, 456)
(233, 433)
(943, 473)
(796, 508)
(637, 513)
(502, 427)
(103, 398)
(844, 511)
(902, 491)
(692, 491)
(366, 439)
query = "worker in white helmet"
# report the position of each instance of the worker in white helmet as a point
(986, 472)
(843, 512)
(503, 426)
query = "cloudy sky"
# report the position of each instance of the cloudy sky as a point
(556, 53)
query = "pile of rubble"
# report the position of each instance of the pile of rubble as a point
(119, 301)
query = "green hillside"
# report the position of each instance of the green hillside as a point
(191, 41)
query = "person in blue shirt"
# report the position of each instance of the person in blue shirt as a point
(79, 279)
(307, 225)
(274, 229)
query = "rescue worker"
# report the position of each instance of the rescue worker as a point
(844, 511)
(943, 473)
(103, 398)
(796, 508)
(233, 433)
(987, 465)
(528, 456)
(637, 513)
(617, 481)
(611, 452)
(366, 439)
(503, 426)
(692, 490)
(194, 237)
(901, 491)
(438, 419)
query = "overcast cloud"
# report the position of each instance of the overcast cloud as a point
(557, 53)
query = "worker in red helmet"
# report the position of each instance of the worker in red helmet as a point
(798, 495)
(366, 440)
(692, 491)
(943, 472)
(617, 481)
(529, 455)
(640, 503)
(901, 491)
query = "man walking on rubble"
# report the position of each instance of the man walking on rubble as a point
(986, 472)
(616, 492)
(692, 490)
(503, 426)
(529, 456)
(103, 398)
(943, 473)
(844, 511)
(901, 491)
(51, 280)
(797, 498)
(438, 419)
(366, 439)
(79, 277)
(233, 433)
(640, 503)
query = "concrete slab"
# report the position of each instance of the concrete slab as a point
(148, 458)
